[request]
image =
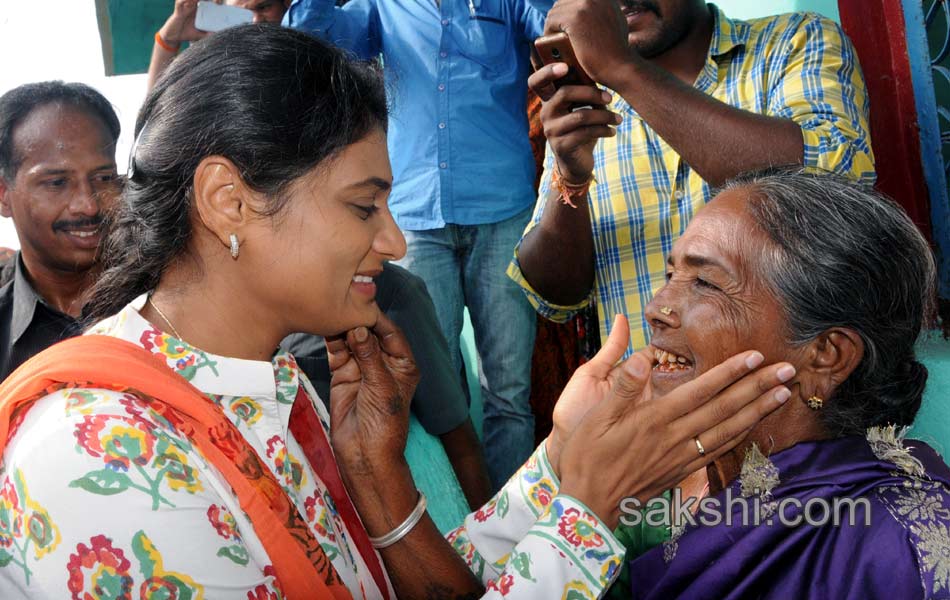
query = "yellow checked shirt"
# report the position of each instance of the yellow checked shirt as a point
(796, 66)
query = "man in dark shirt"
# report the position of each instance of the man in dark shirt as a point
(57, 175)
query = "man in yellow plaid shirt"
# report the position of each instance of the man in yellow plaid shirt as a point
(696, 98)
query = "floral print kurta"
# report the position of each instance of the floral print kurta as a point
(101, 498)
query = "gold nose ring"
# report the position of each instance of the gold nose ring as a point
(666, 310)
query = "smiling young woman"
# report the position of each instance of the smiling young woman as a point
(255, 206)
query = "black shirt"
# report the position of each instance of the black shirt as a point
(27, 324)
(440, 403)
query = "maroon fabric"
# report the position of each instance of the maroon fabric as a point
(309, 433)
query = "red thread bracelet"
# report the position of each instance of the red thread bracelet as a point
(567, 191)
(165, 45)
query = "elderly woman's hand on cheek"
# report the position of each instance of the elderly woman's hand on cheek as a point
(374, 379)
(629, 445)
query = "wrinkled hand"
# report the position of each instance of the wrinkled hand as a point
(180, 26)
(588, 386)
(374, 379)
(598, 32)
(630, 445)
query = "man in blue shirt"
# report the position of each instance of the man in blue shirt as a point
(463, 172)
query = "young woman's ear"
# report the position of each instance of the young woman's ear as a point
(221, 198)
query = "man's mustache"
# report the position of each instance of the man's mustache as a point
(642, 5)
(65, 225)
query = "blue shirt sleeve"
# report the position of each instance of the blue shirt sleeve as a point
(532, 16)
(354, 27)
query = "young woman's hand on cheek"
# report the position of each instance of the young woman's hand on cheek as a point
(588, 386)
(630, 445)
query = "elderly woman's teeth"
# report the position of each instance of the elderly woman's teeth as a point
(667, 361)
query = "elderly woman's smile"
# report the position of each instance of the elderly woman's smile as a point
(714, 304)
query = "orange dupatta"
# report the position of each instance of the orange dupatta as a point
(104, 362)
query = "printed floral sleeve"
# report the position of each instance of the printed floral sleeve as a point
(531, 542)
(99, 498)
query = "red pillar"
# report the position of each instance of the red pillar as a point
(876, 27)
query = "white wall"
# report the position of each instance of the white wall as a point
(59, 39)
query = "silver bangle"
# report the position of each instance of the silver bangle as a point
(403, 529)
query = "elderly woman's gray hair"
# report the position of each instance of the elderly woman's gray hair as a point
(844, 255)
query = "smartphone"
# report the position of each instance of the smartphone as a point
(215, 17)
(557, 48)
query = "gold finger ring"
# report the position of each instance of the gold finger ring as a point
(699, 446)
(666, 310)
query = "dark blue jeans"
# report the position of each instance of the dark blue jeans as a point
(464, 265)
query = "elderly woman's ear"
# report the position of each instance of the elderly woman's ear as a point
(828, 361)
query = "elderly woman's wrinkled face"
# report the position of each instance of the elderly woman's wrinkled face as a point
(715, 303)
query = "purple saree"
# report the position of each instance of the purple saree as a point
(903, 554)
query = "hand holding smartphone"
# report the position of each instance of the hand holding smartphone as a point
(556, 48)
(215, 17)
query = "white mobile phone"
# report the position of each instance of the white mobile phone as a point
(215, 17)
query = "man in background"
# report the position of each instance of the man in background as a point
(57, 176)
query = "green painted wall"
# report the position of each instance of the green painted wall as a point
(130, 26)
(933, 421)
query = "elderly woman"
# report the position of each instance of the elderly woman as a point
(176, 453)
(834, 279)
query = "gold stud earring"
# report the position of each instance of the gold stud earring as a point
(815, 403)
(666, 310)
